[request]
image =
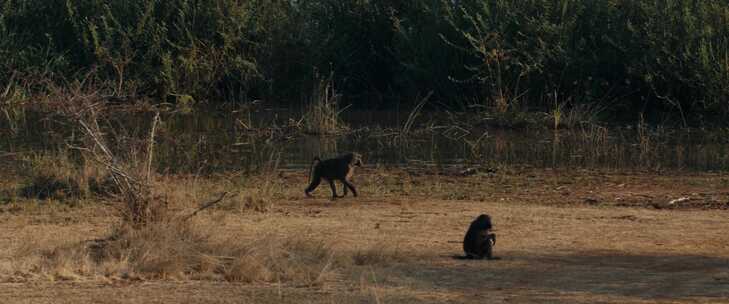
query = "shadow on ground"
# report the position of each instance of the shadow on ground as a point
(597, 276)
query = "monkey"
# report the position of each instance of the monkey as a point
(340, 168)
(479, 241)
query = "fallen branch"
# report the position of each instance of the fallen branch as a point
(206, 206)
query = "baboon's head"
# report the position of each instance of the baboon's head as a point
(483, 222)
(356, 159)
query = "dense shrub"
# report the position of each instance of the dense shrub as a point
(669, 54)
(632, 57)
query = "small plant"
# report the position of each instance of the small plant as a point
(414, 114)
(644, 140)
(258, 191)
(557, 112)
(323, 114)
(12, 104)
(475, 147)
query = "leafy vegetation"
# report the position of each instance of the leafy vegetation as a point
(663, 59)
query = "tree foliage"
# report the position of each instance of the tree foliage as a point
(664, 56)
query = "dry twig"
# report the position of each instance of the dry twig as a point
(206, 206)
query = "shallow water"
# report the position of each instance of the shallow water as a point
(218, 141)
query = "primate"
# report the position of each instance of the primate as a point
(479, 241)
(340, 168)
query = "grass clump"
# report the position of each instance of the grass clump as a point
(183, 250)
(164, 250)
(262, 193)
(54, 177)
(380, 254)
(253, 203)
(49, 186)
(57, 177)
(323, 114)
(295, 260)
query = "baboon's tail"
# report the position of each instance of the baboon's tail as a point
(313, 166)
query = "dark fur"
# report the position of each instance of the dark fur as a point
(479, 241)
(340, 168)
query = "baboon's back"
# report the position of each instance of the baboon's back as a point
(335, 168)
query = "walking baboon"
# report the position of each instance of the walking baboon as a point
(479, 241)
(340, 168)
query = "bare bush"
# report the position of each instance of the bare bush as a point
(131, 179)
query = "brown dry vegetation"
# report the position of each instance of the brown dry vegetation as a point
(564, 237)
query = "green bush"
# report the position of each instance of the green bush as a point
(631, 57)
(661, 55)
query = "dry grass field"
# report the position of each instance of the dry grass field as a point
(563, 237)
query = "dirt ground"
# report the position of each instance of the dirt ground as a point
(586, 237)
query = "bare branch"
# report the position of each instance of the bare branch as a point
(206, 206)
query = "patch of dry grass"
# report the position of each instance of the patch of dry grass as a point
(186, 251)
(548, 254)
(169, 248)
(258, 194)
(300, 261)
(56, 176)
(394, 242)
(379, 254)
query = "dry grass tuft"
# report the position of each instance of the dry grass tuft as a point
(300, 261)
(253, 202)
(159, 251)
(322, 115)
(67, 263)
(182, 251)
(260, 191)
(163, 250)
(567, 114)
(259, 195)
(379, 254)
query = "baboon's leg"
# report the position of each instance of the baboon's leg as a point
(489, 244)
(349, 185)
(334, 189)
(344, 186)
(312, 186)
(488, 250)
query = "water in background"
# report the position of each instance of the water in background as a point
(223, 140)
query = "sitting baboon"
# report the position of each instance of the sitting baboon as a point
(479, 241)
(340, 168)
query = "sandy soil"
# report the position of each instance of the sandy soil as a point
(561, 239)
